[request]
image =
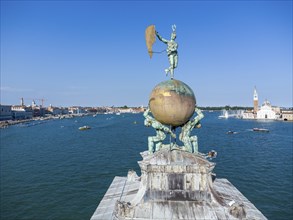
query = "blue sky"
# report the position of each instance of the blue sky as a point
(93, 53)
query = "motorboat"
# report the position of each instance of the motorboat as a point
(261, 129)
(231, 132)
(211, 154)
(84, 128)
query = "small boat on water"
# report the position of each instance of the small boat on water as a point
(231, 132)
(211, 154)
(84, 128)
(261, 129)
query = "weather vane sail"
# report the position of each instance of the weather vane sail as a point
(172, 46)
(150, 37)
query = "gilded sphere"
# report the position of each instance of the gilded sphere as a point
(172, 102)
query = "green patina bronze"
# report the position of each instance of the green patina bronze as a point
(160, 132)
(172, 104)
(190, 142)
(172, 53)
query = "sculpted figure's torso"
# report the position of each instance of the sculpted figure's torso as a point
(172, 47)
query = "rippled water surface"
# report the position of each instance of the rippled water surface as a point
(54, 171)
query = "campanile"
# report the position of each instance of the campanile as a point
(255, 101)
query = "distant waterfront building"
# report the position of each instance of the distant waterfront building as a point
(64, 111)
(21, 112)
(266, 111)
(54, 110)
(34, 105)
(126, 110)
(287, 115)
(38, 110)
(248, 114)
(5, 112)
(76, 110)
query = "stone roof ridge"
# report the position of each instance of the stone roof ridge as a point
(175, 157)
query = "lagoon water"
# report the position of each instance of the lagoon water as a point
(55, 171)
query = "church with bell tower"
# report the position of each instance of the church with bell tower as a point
(265, 111)
(255, 102)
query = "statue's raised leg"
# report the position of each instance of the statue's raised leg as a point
(150, 144)
(158, 146)
(172, 73)
(159, 138)
(187, 145)
(194, 142)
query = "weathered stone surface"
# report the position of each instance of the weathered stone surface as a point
(174, 185)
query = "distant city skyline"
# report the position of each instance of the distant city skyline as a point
(93, 53)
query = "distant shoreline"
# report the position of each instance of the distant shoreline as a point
(7, 123)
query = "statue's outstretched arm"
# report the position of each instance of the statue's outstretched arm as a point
(172, 134)
(168, 130)
(198, 117)
(146, 112)
(160, 38)
(199, 113)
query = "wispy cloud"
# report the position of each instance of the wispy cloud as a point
(73, 87)
(12, 89)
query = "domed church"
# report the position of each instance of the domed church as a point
(266, 111)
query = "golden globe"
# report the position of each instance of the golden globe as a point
(172, 102)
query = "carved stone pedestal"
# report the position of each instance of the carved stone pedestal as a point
(170, 178)
(175, 185)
